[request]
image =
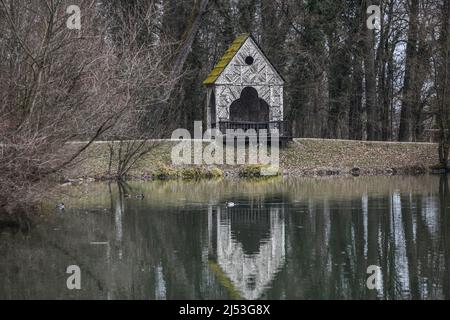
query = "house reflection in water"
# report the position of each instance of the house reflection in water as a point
(246, 246)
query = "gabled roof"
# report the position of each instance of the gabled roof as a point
(226, 59)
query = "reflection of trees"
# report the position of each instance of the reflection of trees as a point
(444, 244)
(319, 248)
(338, 240)
(299, 246)
(410, 244)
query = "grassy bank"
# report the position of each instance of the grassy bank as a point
(303, 157)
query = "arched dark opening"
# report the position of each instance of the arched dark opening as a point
(249, 107)
(212, 103)
(250, 229)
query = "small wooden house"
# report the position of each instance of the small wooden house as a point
(244, 90)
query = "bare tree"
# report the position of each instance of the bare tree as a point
(443, 85)
(58, 84)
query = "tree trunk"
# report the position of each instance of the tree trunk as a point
(355, 125)
(411, 59)
(385, 73)
(189, 36)
(443, 86)
(370, 82)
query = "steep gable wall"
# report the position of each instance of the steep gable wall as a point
(238, 72)
(234, 72)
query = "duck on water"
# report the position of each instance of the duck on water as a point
(230, 204)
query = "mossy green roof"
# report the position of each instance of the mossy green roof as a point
(226, 59)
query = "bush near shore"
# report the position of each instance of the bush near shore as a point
(303, 157)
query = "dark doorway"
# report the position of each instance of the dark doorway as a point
(212, 103)
(249, 107)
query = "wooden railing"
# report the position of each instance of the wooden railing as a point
(225, 125)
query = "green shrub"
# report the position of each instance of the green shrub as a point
(164, 173)
(215, 173)
(191, 173)
(187, 173)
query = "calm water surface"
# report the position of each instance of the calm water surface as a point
(284, 239)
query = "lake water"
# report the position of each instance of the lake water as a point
(284, 239)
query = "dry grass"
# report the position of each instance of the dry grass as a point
(316, 154)
(302, 157)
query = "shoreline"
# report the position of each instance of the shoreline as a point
(302, 158)
(237, 174)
